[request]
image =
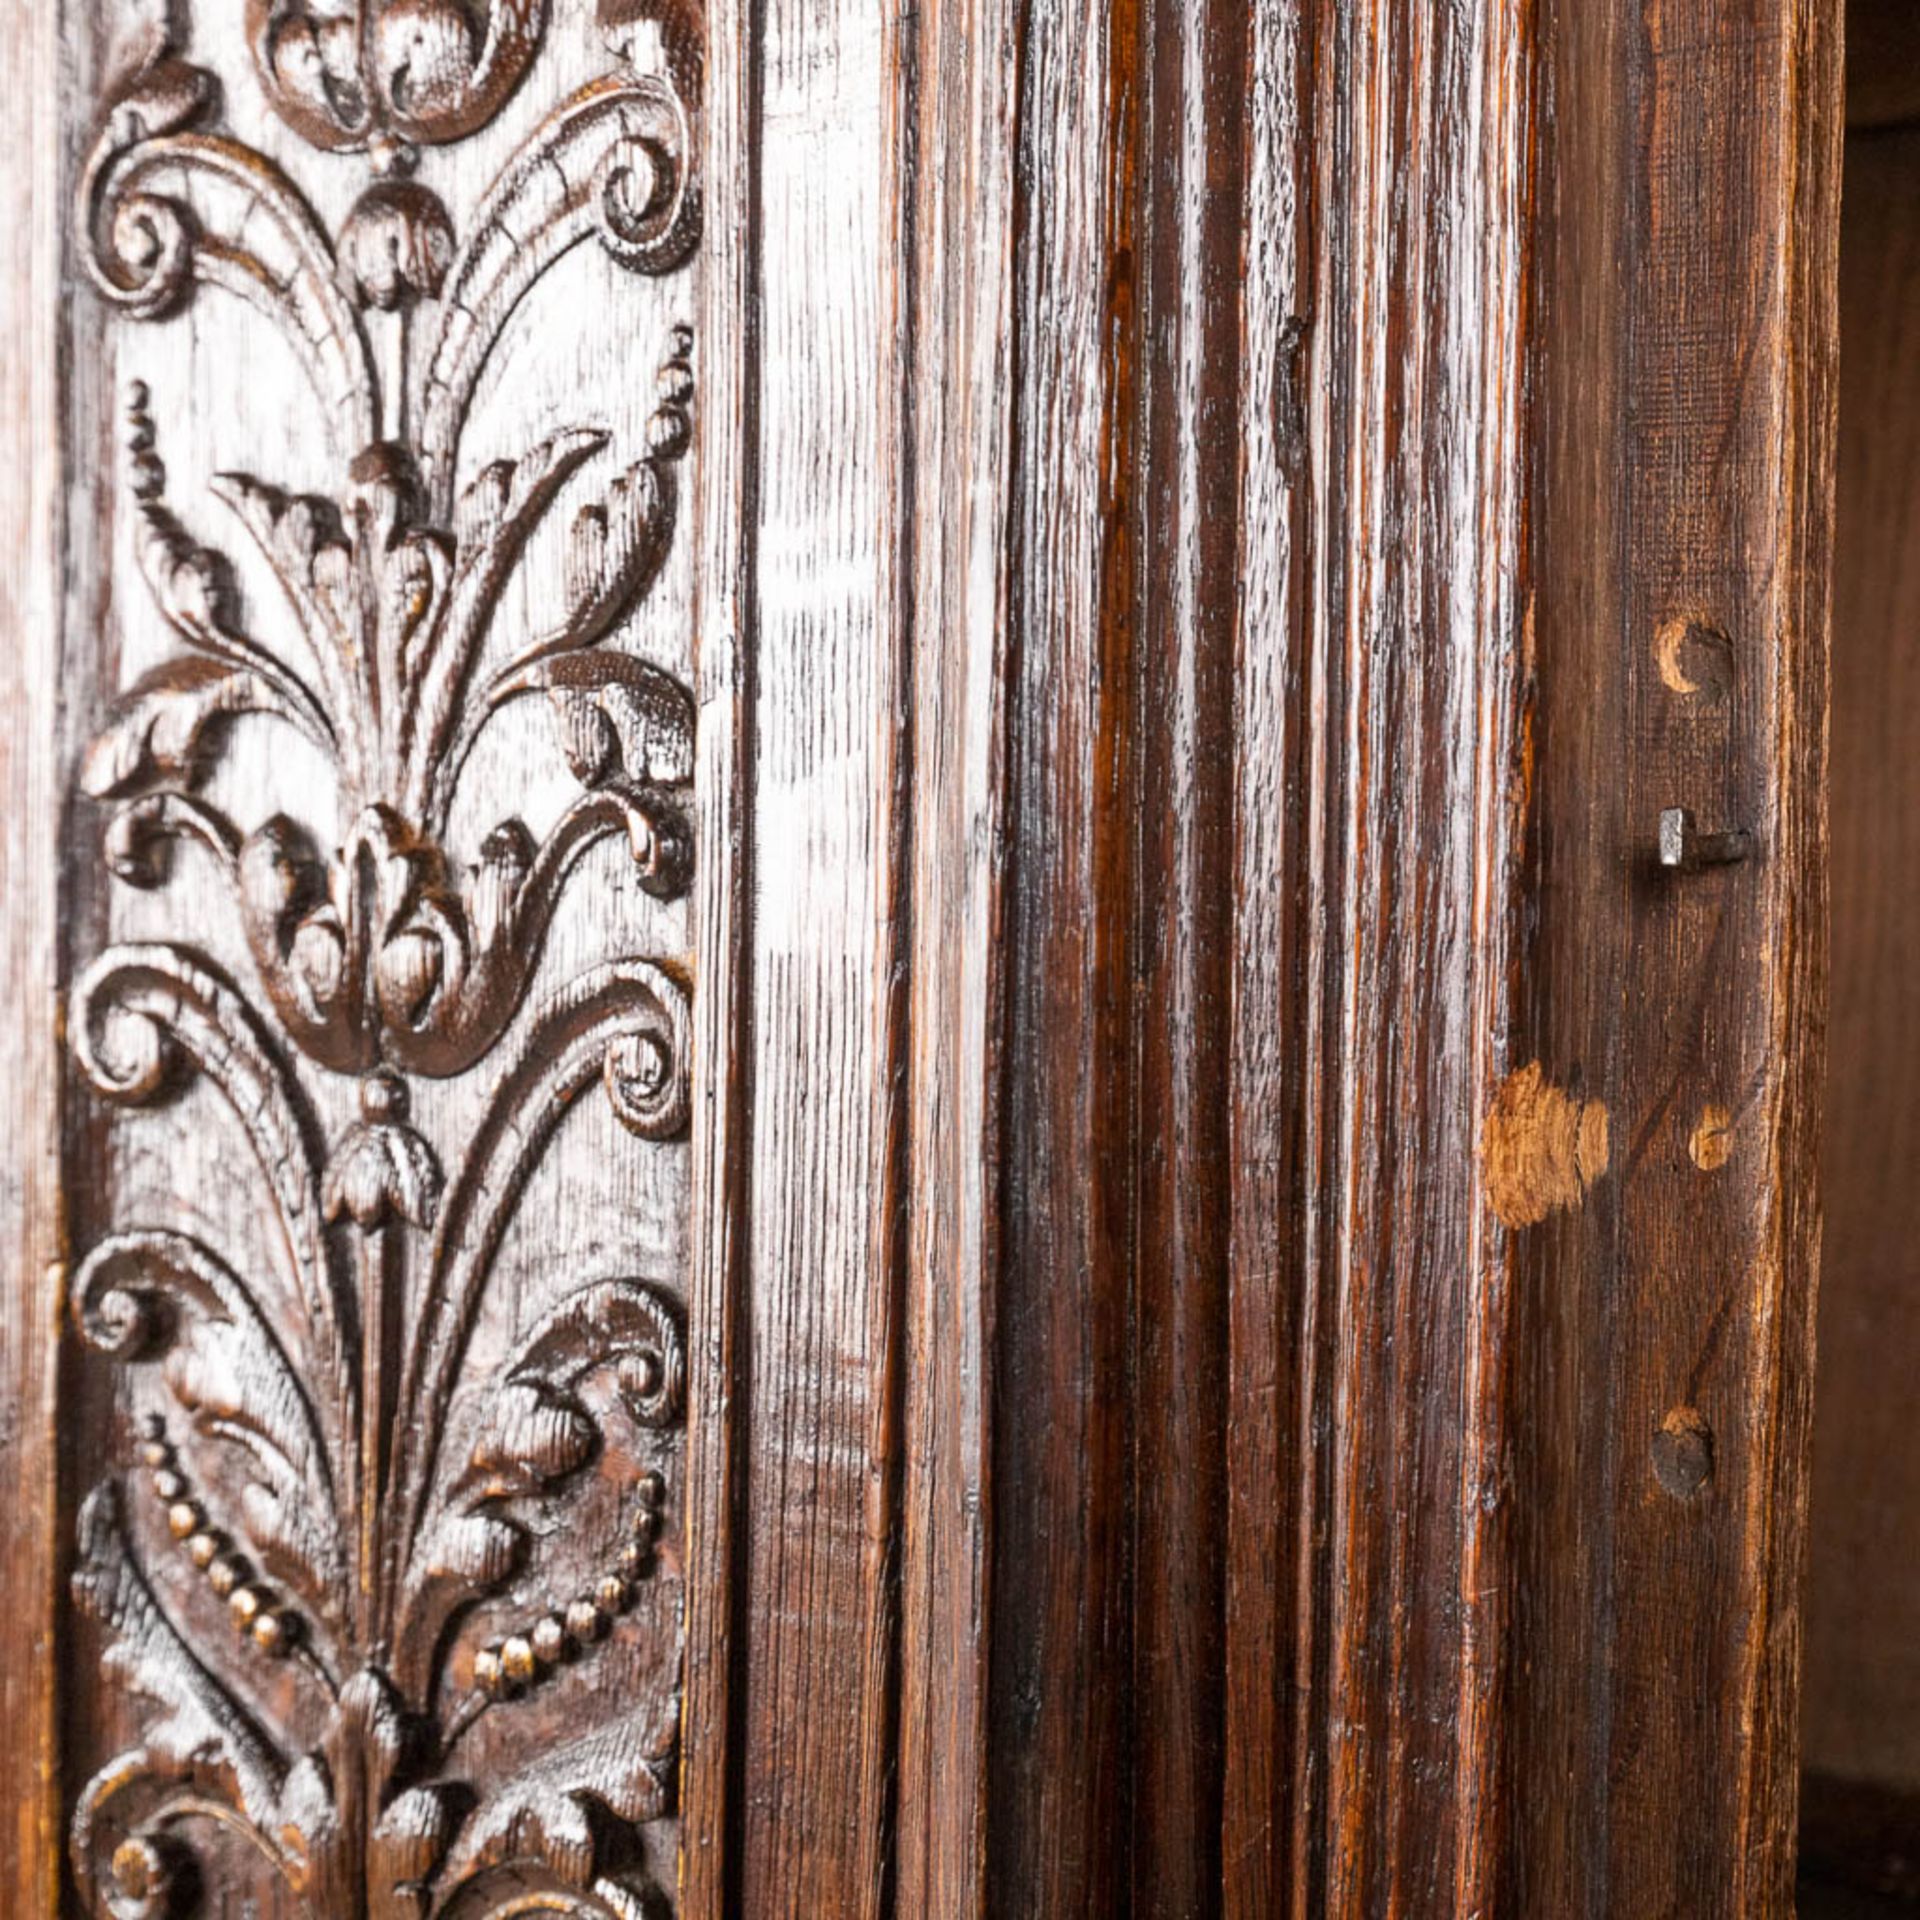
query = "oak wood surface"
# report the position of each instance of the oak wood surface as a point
(1684, 347)
(1244, 1259)
(962, 239)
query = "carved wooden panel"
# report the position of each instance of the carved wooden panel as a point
(380, 1018)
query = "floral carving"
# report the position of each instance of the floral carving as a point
(344, 73)
(405, 1538)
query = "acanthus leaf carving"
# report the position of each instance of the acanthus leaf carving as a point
(393, 1527)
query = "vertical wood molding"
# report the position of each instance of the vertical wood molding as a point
(1272, 1703)
(725, 630)
(32, 1236)
(1417, 654)
(831, 699)
(1058, 1699)
(964, 266)
(1380, 707)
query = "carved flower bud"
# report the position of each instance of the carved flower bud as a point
(381, 1170)
(488, 1675)
(549, 1638)
(516, 1659)
(396, 246)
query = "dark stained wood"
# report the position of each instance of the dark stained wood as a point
(960, 435)
(1060, 1655)
(1193, 160)
(1862, 1688)
(1413, 668)
(376, 1065)
(1684, 348)
(724, 603)
(1245, 1255)
(1272, 1784)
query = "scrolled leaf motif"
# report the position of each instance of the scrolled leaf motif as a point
(381, 954)
(165, 207)
(380, 960)
(163, 723)
(161, 729)
(341, 1827)
(614, 163)
(160, 1297)
(141, 1018)
(203, 1755)
(535, 1845)
(141, 835)
(536, 1433)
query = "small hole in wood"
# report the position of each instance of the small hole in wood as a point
(1683, 1453)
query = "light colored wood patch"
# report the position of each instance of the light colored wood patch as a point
(1542, 1147)
(1711, 1142)
(1669, 637)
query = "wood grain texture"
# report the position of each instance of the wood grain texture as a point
(1184, 550)
(1415, 652)
(721, 1193)
(1058, 1690)
(31, 1224)
(1682, 507)
(1271, 1863)
(1862, 1688)
(1245, 1258)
